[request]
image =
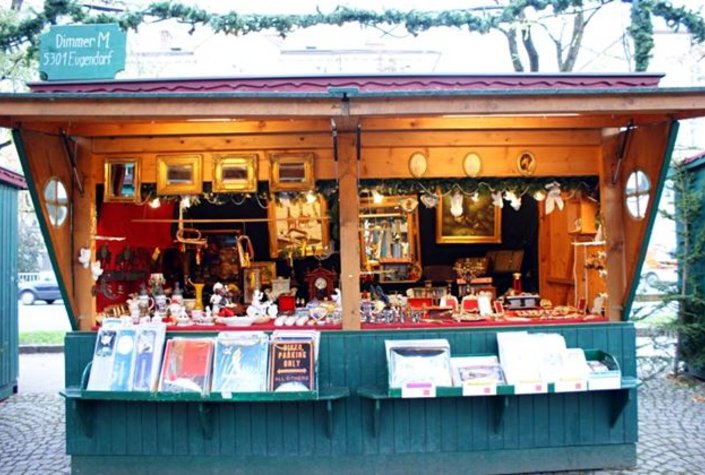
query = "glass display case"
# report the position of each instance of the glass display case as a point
(389, 238)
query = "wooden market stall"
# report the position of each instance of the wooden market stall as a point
(539, 188)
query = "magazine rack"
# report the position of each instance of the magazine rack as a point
(84, 400)
(609, 381)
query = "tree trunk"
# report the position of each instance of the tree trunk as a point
(511, 35)
(530, 49)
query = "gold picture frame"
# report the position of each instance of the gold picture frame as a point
(299, 227)
(179, 174)
(122, 180)
(291, 172)
(480, 221)
(258, 276)
(233, 172)
(526, 163)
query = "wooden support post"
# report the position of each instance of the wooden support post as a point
(84, 228)
(349, 224)
(612, 205)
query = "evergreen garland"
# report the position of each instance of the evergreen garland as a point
(16, 33)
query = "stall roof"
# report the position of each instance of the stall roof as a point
(363, 83)
(611, 100)
(10, 178)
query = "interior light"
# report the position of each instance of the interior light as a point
(377, 197)
(155, 203)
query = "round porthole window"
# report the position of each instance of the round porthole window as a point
(636, 194)
(56, 202)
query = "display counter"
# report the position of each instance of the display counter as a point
(566, 431)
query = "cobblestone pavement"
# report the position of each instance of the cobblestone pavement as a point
(32, 435)
(671, 431)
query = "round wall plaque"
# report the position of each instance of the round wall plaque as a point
(417, 164)
(526, 163)
(472, 164)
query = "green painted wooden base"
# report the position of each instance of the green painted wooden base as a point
(8, 390)
(489, 462)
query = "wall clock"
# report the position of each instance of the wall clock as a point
(321, 283)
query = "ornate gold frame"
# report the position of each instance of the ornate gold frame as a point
(245, 185)
(496, 236)
(289, 224)
(276, 160)
(108, 196)
(193, 188)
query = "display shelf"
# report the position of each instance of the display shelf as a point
(501, 399)
(83, 401)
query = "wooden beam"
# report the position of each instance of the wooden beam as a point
(349, 233)
(186, 128)
(612, 209)
(119, 108)
(479, 138)
(447, 162)
(485, 122)
(211, 143)
(84, 228)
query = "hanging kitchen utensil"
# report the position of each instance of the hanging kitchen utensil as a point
(245, 252)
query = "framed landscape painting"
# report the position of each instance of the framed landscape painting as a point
(471, 221)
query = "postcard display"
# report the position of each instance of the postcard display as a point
(129, 358)
(528, 363)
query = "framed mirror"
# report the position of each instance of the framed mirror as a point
(179, 174)
(56, 202)
(291, 172)
(122, 180)
(235, 172)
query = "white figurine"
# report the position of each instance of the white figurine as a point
(96, 271)
(84, 257)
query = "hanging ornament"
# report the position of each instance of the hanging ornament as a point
(311, 197)
(497, 199)
(553, 197)
(456, 205)
(514, 200)
(377, 196)
(285, 200)
(429, 200)
(409, 204)
(539, 195)
(475, 197)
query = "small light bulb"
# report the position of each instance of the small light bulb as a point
(475, 197)
(539, 195)
(155, 203)
(185, 202)
(311, 197)
(377, 197)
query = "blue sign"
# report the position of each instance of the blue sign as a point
(82, 52)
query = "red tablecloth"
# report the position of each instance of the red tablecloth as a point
(219, 327)
(484, 323)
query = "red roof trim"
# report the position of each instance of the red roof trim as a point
(11, 178)
(366, 83)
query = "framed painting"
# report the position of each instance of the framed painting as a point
(471, 222)
(298, 227)
(179, 174)
(258, 276)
